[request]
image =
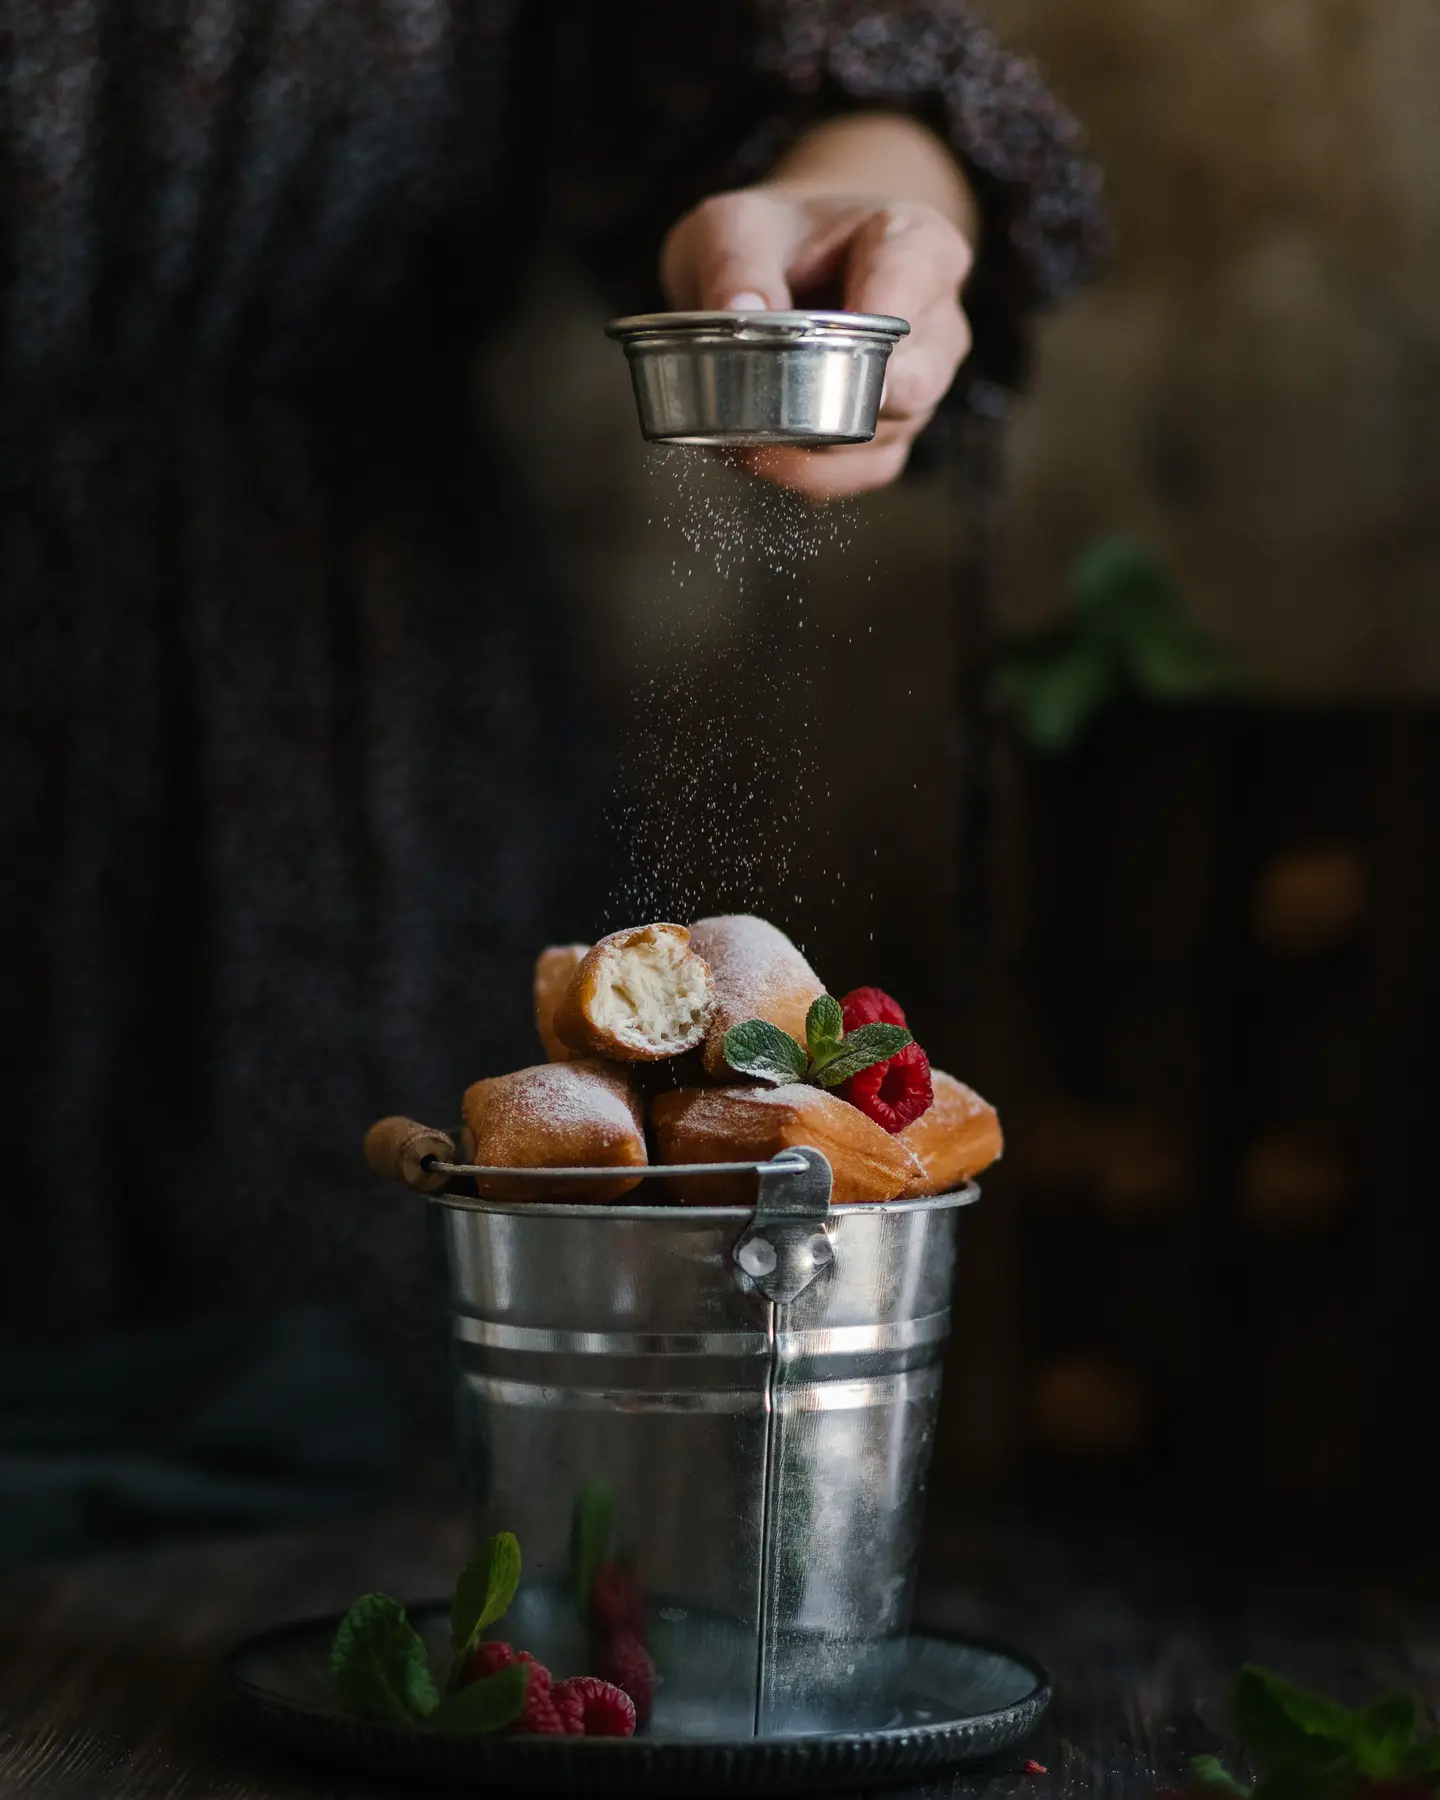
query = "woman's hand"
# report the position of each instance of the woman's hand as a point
(812, 236)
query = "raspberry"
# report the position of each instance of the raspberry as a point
(870, 1006)
(570, 1705)
(490, 1658)
(543, 1715)
(892, 1093)
(604, 1710)
(622, 1660)
(616, 1603)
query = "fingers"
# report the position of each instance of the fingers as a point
(903, 260)
(755, 249)
(837, 473)
(922, 366)
(729, 255)
(910, 262)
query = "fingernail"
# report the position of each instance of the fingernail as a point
(747, 303)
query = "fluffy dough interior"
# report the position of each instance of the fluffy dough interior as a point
(653, 993)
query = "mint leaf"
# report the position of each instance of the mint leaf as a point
(483, 1593)
(1385, 1733)
(824, 1028)
(379, 1662)
(592, 1521)
(861, 1049)
(1283, 1726)
(489, 1704)
(1208, 1775)
(761, 1049)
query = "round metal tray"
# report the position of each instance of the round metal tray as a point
(949, 1701)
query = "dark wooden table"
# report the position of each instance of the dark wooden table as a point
(110, 1681)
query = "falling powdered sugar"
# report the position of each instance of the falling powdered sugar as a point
(720, 746)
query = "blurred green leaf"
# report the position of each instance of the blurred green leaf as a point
(1283, 1726)
(592, 1524)
(486, 1705)
(1126, 632)
(1208, 1775)
(379, 1662)
(1054, 692)
(1385, 1734)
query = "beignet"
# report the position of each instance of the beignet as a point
(956, 1138)
(752, 1124)
(758, 974)
(638, 995)
(554, 972)
(556, 1116)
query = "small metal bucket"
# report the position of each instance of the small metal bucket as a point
(754, 378)
(729, 1411)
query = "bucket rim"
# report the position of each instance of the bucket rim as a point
(621, 1212)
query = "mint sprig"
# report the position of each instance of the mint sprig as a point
(381, 1669)
(379, 1662)
(1309, 1748)
(483, 1594)
(489, 1704)
(858, 1050)
(763, 1050)
(824, 1028)
(832, 1055)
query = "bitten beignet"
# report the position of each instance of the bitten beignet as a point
(745, 1124)
(956, 1138)
(568, 1115)
(638, 996)
(554, 973)
(758, 974)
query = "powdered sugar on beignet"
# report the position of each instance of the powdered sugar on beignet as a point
(639, 995)
(567, 1115)
(957, 1138)
(740, 1124)
(758, 974)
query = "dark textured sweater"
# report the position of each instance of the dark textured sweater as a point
(284, 786)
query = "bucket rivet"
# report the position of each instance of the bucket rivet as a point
(757, 1257)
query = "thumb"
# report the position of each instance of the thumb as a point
(729, 255)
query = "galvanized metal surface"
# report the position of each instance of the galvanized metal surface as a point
(763, 1459)
(757, 378)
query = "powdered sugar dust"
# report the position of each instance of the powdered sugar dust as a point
(723, 759)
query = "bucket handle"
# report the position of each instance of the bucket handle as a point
(781, 1251)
